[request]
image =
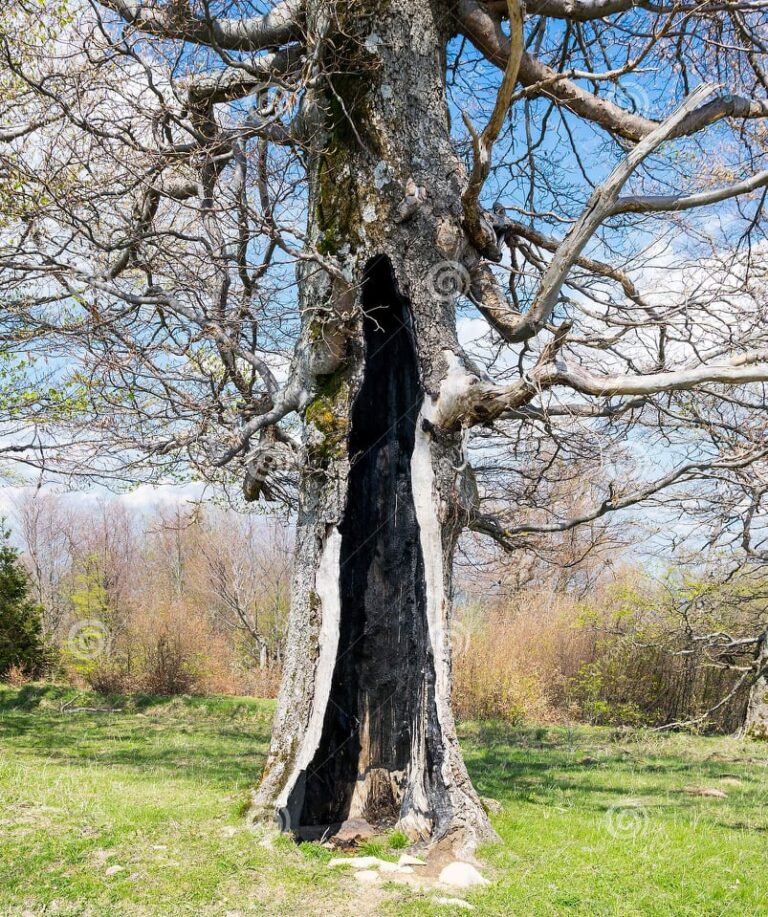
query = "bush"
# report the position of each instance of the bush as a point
(508, 660)
(16, 677)
(109, 676)
(612, 658)
(168, 669)
(22, 647)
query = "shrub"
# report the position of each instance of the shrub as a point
(16, 677)
(109, 676)
(168, 668)
(505, 661)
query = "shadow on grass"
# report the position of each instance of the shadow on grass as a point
(545, 767)
(221, 740)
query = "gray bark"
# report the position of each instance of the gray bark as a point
(364, 725)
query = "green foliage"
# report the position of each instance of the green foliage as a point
(21, 629)
(89, 596)
(398, 840)
(372, 849)
(328, 413)
(594, 691)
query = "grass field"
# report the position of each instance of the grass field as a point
(594, 821)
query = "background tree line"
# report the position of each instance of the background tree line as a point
(170, 600)
(191, 598)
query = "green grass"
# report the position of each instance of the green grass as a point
(594, 821)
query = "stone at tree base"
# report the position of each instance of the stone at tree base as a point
(422, 876)
(368, 863)
(461, 875)
(407, 860)
(368, 876)
(352, 833)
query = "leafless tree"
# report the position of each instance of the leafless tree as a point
(243, 577)
(252, 243)
(43, 526)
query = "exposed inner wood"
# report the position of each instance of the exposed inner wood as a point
(381, 706)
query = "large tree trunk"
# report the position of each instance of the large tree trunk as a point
(756, 722)
(364, 725)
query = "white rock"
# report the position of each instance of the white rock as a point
(461, 875)
(386, 866)
(368, 863)
(367, 876)
(455, 902)
(407, 860)
(113, 870)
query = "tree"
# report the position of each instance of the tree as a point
(243, 579)
(257, 240)
(21, 626)
(44, 528)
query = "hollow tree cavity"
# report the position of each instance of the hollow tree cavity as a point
(381, 703)
(363, 726)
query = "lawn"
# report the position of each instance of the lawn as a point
(139, 811)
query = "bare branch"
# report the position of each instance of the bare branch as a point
(484, 31)
(515, 327)
(655, 204)
(741, 370)
(280, 25)
(482, 237)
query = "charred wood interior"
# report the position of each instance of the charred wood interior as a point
(382, 689)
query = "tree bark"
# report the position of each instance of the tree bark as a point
(364, 725)
(756, 722)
